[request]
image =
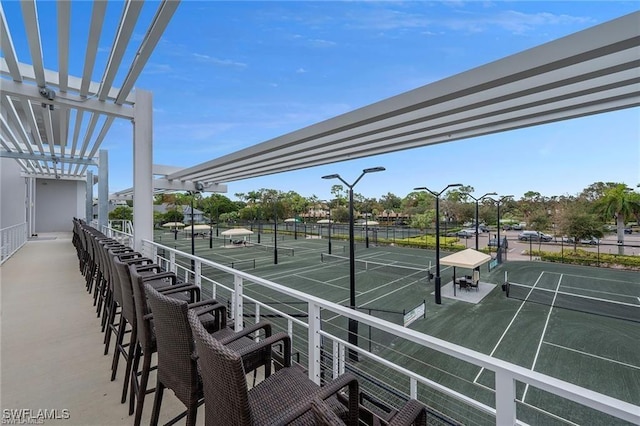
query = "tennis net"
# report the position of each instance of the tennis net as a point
(383, 268)
(287, 251)
(575, 302)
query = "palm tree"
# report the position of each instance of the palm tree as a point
(619, 202)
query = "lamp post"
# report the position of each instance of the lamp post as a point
(329, 228)
(217, 220)
(210, 231)
(275, 231)
(353, 324)
(499, 201)
(477, 200)
(366, 229)
(193, 244)
(437, 195)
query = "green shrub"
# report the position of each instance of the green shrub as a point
(587, 258)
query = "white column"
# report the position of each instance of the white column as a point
(89, 198)
(103, 188)
(505, 399)
(314, 342)
(31, 206)
(142, 168)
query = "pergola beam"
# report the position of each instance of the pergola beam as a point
(48, 158)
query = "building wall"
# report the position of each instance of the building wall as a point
(57, 202)
(13, 194)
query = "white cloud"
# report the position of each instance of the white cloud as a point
(217, 61)
(301, 70)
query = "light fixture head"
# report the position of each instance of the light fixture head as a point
(374, 169)
(333, 176)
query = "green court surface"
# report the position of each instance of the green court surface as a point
(597, 352)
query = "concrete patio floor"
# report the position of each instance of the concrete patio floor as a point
(51, 346)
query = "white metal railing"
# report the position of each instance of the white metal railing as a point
(122, 237)
(506, 374)
(11, 239)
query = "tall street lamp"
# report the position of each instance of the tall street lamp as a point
(329, 228)
(275, 231)
(499, 201)
(477, 200)
(437, 195)
(353, 324)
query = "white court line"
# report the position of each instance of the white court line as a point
(593, 356)
(598, 291)
(544, 331)
(378, 288)
(509, 326)
(592, 278)
(323, 282)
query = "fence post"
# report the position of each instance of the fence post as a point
(314, 342)
(237, 295)
(198, 273)
(336, 358)
(413, 388)
(505, 398)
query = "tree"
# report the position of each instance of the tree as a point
(540, 222)
(596, 190)
(423, 220)
(339, 195)
(340, 214)
(121, 213)
(621, 203)
(173, 216)
(417, 202)
(580, 225)
(390, 202)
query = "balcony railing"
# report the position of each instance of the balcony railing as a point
(318, 329)
(11, 239)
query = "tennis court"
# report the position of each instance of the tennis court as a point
(547, 332)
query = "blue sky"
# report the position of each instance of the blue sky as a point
(227, 75)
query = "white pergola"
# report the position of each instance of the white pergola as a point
(589, 72)
(53, 123)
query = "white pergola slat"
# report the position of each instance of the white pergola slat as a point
(62, 136)
(589, 72)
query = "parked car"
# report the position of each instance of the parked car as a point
(627, 230)
(534, 236)
(466, 233)
(493, 242)
(517, 226)
(591, 241)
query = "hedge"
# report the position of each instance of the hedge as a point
(587, 258)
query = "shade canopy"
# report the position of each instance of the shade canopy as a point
(468, 258)
(197, 228)
(324, 221)
(291, 220)
(237, 232)
(173, 225)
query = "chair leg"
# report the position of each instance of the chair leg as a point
(107, 299)
(192, 414)
(129, 366)
(157, 402)
(133, 390)
(116, 352)
(142, 387)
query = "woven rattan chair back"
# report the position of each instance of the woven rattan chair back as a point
(177, 369)
(224, 379)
